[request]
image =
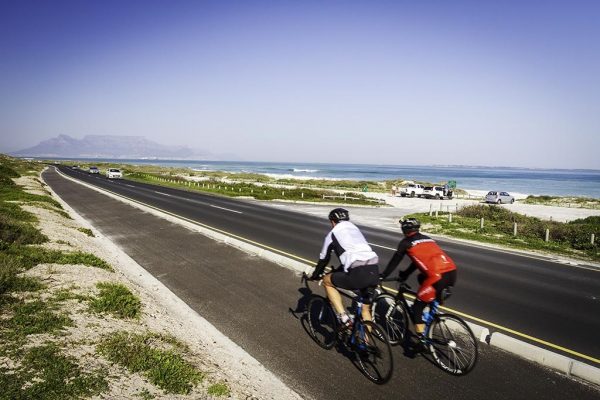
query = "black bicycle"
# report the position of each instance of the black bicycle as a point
(448, 338)
(367, 341)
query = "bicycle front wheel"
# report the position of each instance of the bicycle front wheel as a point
(392, 317)
(452, 344)
(373, 352)
(322, 322)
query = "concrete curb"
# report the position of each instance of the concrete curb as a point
(547, 358)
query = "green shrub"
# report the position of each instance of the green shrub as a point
(9, 269)
(219, 389)
(45, 373)
(36, 317)
(30, 256)
(166, 369)
(116, 299)
(15, 232)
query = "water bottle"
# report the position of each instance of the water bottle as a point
(426, 316)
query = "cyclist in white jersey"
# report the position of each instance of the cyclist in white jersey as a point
(359, 270)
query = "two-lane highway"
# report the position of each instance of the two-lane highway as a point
(545, 300)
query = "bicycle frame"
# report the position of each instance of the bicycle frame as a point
(428, 315)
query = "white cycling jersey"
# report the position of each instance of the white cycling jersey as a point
(349, 244)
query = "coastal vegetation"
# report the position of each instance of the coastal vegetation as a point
(259, 191)
(568, 201)
(260, 186)
(573, 238)
(46, 330)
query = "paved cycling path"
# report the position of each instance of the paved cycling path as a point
(249, 299)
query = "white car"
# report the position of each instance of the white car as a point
(93, 170)
(499, 198)
(437, 192)
(113, 173)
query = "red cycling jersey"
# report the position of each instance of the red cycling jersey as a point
(427, 256)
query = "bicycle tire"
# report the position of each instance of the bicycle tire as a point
(392, 317)
(373, 352)
(322, 322)
(452, 344)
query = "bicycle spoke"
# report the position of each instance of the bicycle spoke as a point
(452, 345)
(373, 352)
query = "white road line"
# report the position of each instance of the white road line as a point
(383, 247)
(129, 185)
(226, 209)
(164, 194)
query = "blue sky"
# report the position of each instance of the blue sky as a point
(390, 82)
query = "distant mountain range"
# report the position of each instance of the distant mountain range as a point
(115, 147)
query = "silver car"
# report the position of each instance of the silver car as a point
(499, 198)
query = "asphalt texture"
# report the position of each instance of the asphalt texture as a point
(549, 301)
(259, 304)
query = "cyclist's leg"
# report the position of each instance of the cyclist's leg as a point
(366, 281)
(448, 279)
(358, 278)
(425, 295)
(332, 293)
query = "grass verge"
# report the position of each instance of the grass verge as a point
(157, 359)
(249, 189)
(44, 372)
(571, 239)
(117, 300)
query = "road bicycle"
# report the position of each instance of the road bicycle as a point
(364, 339)
(447, 337)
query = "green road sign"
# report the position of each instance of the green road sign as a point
(452, 184)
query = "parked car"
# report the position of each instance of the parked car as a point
(113, 173)
(93, 170)
(437, 192)
(412, 190)
(499, 198)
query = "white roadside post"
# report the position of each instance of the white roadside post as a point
(547, 238)
(515, 229)
(593, 238)
(481, 223)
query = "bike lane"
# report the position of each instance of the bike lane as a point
(251, 300)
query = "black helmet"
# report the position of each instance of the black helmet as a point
(410, 225)
(339, 214)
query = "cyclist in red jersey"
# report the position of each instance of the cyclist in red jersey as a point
(437, 270)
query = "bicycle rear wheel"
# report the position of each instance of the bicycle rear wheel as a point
(392, 317)
(322, 322)
(373, 352)
(452, 344)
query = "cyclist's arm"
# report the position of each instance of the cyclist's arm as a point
(325, 255)
(397, 257)
(404, 274)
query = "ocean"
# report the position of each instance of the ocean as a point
(554, 182)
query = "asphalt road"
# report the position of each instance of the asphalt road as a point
(549, 301)
(250, 300)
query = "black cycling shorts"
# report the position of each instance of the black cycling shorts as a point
(364, 278)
